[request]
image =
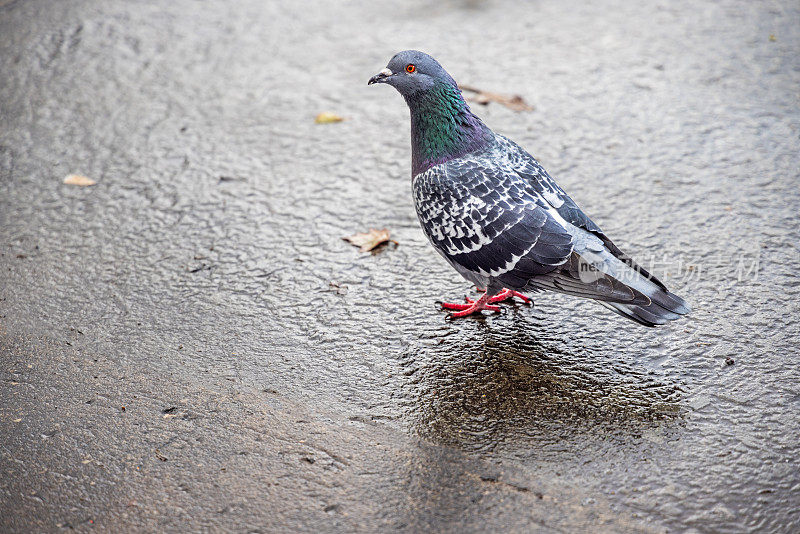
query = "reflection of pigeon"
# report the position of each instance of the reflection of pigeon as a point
(498, 218)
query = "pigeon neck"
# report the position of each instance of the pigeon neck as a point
(442, 127)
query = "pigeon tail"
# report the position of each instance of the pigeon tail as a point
(614, 284)
(665, 307)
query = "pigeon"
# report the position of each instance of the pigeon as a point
(496, 215)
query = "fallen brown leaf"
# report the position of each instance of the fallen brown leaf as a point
(327, 117)
(77, 179)
(369, 240)
(515, 102)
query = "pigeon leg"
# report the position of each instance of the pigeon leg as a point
(506, 294)
(470, 307)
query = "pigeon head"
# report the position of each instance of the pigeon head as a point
(412, 72)
(442, 125)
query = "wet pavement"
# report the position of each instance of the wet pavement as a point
(189, 344)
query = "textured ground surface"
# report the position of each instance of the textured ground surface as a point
(190, 345)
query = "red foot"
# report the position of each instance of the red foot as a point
(507, 294)
(470, 307)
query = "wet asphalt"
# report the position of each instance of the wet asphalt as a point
(190, 345)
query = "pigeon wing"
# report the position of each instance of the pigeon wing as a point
(484, 219)
(537, 177)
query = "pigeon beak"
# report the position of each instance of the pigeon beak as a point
(380, 77)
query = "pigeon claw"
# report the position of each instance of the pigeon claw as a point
(508, 294)
(470, 307)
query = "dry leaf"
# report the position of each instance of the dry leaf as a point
(77, 179)
(515, 102)
(369, 240)
(327, 117)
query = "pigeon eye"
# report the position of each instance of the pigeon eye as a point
(410, 68)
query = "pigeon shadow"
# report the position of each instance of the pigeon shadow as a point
(491, 384)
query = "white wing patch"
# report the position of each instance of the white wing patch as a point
(553, 198)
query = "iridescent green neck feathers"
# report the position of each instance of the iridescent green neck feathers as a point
(442, 127)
